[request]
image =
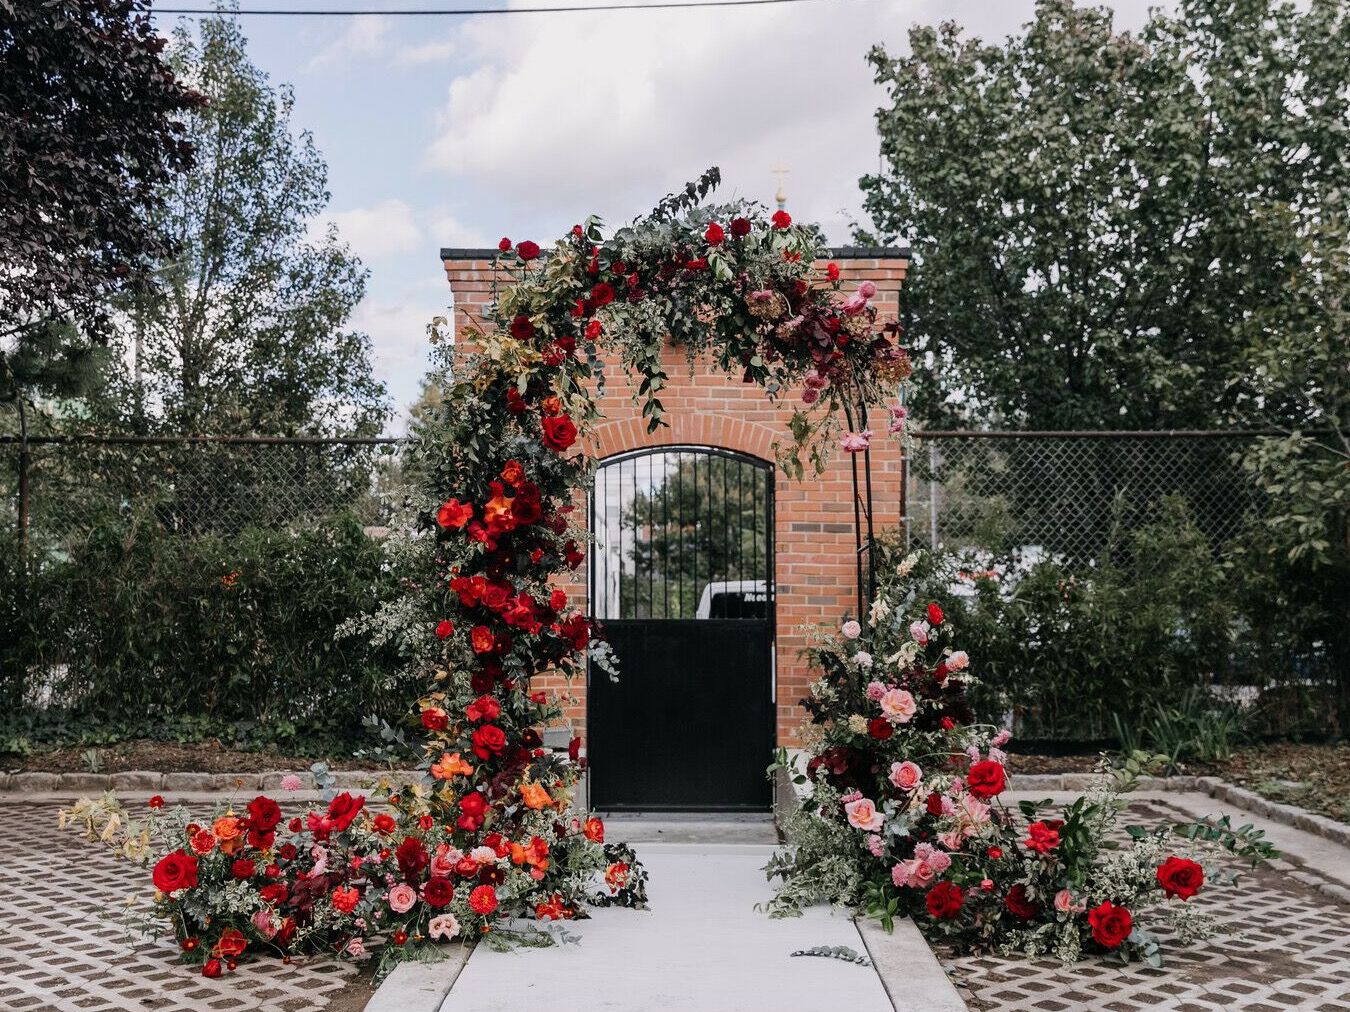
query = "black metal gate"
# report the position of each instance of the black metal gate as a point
(682, 583)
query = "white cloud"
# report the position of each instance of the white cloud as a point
(447, 229)
(366, 36)
(429, 52)
(380, 230)
(607, 111)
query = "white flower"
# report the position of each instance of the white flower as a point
(878, 612)
(863, 659)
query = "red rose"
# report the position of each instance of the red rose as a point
(740, 227)
(832, 271)
(274, 892)
(483, 708)
(344, 808)
(986, 779)
(559, 432)
(412, 857)
(527, 250)
(481, 639)
(211, 968)
(522, 329)
(994, 853)
(557, 600)
(504, 244)
(1042, 837)
(880, 728)
(602, 294)
(944, 900)
(175, 870)
(264, 814)
(483, 900)
(781, 219)
(156, 803)
(715, 235)
(454, 513)
(934, 614)
(438, 892)
(1111, 924)
(488, 740)
(515, 403)
(697, 264)
(933, 803)
(287, 851)
(1019, 905)
(1180, 877)
(594, 830)
(435, 719)
(444, 628)
(243, 868)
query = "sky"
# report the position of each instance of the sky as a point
(443, 131)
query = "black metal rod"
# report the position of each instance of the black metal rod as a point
(857, 518)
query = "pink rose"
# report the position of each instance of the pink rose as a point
(919, 632)
(262, 923)
(863, 814)
(856, 442)
(958, 660)
(401, 898)
(851, 630)
(810, 395)
(906, 775)
(1064, 901)
(898, 705)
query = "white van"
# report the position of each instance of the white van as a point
(734, 599)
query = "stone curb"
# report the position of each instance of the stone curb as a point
(420, 987)
(141, 781)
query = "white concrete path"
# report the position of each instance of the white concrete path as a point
(702, 946)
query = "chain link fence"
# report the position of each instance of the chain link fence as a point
(1070, 496)
(56, 487)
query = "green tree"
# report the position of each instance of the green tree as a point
(246, 328)
(1086, 206)
(704, 520)
(87, 138)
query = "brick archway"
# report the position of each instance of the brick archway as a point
(815, 575)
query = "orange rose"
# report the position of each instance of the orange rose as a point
(535, 796)
(228, 830)
(551, 405)
(450, 765)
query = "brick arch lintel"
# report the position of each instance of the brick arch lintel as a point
(620, 435)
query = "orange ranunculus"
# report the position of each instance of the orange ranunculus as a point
(535, 796)
(229, 832)
(513, 473)
(454, 513)
(594, 830)
(450, 765)
(517, 854)
(537, 852)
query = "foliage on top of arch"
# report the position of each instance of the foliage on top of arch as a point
(728, 281)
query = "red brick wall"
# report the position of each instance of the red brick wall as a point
(814, 546)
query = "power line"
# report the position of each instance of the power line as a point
(466, 11)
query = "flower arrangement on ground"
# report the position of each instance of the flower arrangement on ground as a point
(902, 812)
(488, 831)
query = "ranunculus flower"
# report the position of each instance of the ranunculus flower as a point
(1180, 877)
(594, 830)
(483, 900)
(560, 432)
(535, 797)
(851, 630)
(781, 219)
(944, 900)
(1111, 924)
(715, 236)
(504, 244)
(863, 814)
(211, 968)
(527, 250)
(522, 329)
(906, 775)
(243, 868)
(602, 294)
(345, 899)
(986, 779)
(175, 870)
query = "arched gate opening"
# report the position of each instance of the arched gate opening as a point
(682, 583)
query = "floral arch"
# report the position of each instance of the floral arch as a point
(489, 830)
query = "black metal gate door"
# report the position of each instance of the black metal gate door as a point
(682, 584)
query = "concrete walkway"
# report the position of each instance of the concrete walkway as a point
(702, 946)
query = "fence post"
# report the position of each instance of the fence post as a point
(25, 460)
(932, 495)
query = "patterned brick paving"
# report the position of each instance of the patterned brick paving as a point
(64, 945)
(1281, 945)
